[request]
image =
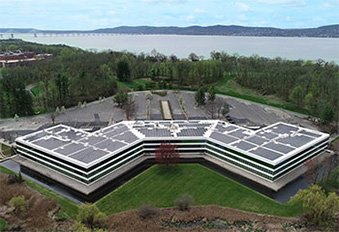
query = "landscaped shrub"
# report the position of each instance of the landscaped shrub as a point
(147, 210)
(184, 202)
(19, 203)
(319, 207)
(90, 216)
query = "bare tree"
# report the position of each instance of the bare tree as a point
(318, 170)
(216, 108)
(313, 172)
(210, 108)
(53, 116)
(130, 107)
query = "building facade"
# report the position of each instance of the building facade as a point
(87, 158)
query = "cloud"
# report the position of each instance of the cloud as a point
(287, 3)
(318, 20)
(191, 19)
(242, 18)
(330, 4)
(112, 12)
(219, 16)
(200, 11)
(242, 7)
(165, 1)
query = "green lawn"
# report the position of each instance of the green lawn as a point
(6, 150)
(335, 140)
(161, 187)
(35, 90)
(6, 171)
(2, 224)
(134, 84)
(228, 86)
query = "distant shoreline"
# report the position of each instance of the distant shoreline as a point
(329, 31)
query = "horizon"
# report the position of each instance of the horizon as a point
(70, 15)
(168, 26)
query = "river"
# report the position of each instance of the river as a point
(182, 45)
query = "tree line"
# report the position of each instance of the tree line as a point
(74, 75)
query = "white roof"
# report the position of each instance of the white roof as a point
(272, 144)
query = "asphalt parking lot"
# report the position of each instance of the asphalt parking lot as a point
(105, 112)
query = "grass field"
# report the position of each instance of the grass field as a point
(161, 187)
(229, 87)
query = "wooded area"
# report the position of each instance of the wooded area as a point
(74, 76)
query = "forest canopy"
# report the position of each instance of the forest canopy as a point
(74, 75)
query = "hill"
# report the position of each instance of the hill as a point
(233, 30)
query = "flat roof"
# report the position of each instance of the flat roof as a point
(272, 144)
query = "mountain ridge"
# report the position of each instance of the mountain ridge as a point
(331, 31)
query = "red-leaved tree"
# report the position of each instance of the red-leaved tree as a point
(167, 154)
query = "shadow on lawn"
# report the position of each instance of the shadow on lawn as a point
(163, 170)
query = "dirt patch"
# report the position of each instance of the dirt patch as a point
(335, 146)
(130, 221)
(39, 215)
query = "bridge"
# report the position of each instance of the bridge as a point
(12, 35)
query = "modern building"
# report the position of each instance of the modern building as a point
(86, 161)
(18, 58)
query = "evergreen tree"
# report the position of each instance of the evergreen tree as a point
(123, 70)
(121, 98)
(200, 97)
(211, 94)
(327, 114)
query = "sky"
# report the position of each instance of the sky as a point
(94, 14)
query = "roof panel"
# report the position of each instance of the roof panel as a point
(281, 128)
(271, 142)
(309, 133)
(256, 140)
(279, 147)
(110, 145)
(88, 155)
(36, 136)
(73, 134)
(92, 140)
(295, 141)
(239, 134)
(127, 137)
(50, 143)
(271, 155)
(70, 149)
(223, 138)
(243, 145)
